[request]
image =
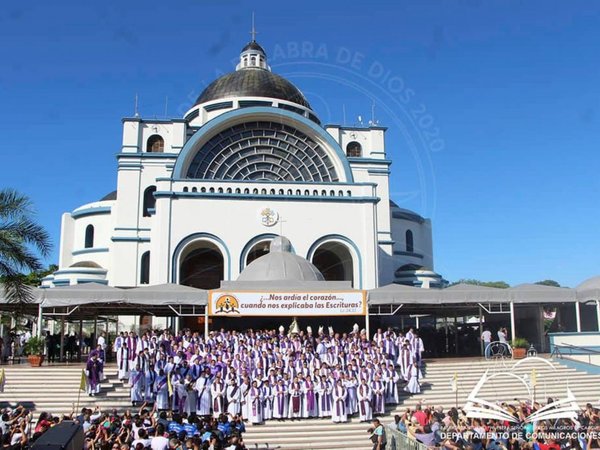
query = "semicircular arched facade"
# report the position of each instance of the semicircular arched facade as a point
(262, 150)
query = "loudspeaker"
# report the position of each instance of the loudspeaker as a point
(67, 435)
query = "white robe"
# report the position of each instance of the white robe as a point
(413, 383)
(267, 396)
(162, 393)
(217, 393)
(295, 398)
(324, 399)
(123, 363)
(191, 399)
(308, 411)
(364, 395)
(244, 388)
(405, 360)
(136, 383)
(280, 402)
(233, 400)
(378, 397)
(203, 389)
(338, 412)
(255, 407)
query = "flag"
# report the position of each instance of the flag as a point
(2, 380)
(83, 382)
(454, 383)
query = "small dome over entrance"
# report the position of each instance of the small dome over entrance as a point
(280, 264)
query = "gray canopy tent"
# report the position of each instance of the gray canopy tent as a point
(475, 300)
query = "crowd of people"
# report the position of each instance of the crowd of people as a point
(453, 430)
(267, 374)
(144, 429)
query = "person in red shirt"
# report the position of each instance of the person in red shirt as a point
(420, 415)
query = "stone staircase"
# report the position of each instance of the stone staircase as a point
(55, 388)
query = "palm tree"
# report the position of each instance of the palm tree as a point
(20, 239)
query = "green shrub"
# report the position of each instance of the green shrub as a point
(34, 346)
(519, 343)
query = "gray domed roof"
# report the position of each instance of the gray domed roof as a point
(280, 264)
(253, 45)
(252, 82)
(88, 264)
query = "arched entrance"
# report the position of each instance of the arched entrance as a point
(259, 249)
(202, 266)
(334, 260)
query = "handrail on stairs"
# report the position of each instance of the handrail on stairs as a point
(564, 349)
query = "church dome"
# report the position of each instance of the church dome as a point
(280, 264)
(252, 78)
(252, 82)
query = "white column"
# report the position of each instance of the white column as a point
(578, 317)
(39, 321)
(205, 323)
(513, 331)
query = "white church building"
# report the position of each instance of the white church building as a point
(200, 197)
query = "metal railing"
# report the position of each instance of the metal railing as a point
(396, 440)
(562, 350)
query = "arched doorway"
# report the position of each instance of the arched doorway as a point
(202, 266)
(334, 260)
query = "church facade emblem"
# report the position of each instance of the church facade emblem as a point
(269, 217)
(227, 304)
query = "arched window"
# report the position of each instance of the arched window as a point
(354, 149)
(185, 189)
(145, 268)
(410, 245)
(341, 193)
(211, 190)
(194, 189)
(203, 189)
(237, 190)
(89, 236)
(289, 192)
(220, 190)
(155, 144)
(149, 200)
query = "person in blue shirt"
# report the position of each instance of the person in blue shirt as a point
(190, 429)
(175, 425)
(224, 425)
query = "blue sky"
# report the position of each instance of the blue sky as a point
(492, 107)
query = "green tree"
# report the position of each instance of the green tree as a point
(21, 240)
(494, 284)
(548, 283)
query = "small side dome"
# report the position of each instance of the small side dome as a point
(280, 264)
(88, 264)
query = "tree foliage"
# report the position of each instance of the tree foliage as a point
(21, 241)
(494, 284)
(548, 283)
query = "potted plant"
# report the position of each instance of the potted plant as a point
(519, 346)
(34, 348)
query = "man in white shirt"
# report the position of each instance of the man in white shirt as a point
(159, 441)
(486, 338)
